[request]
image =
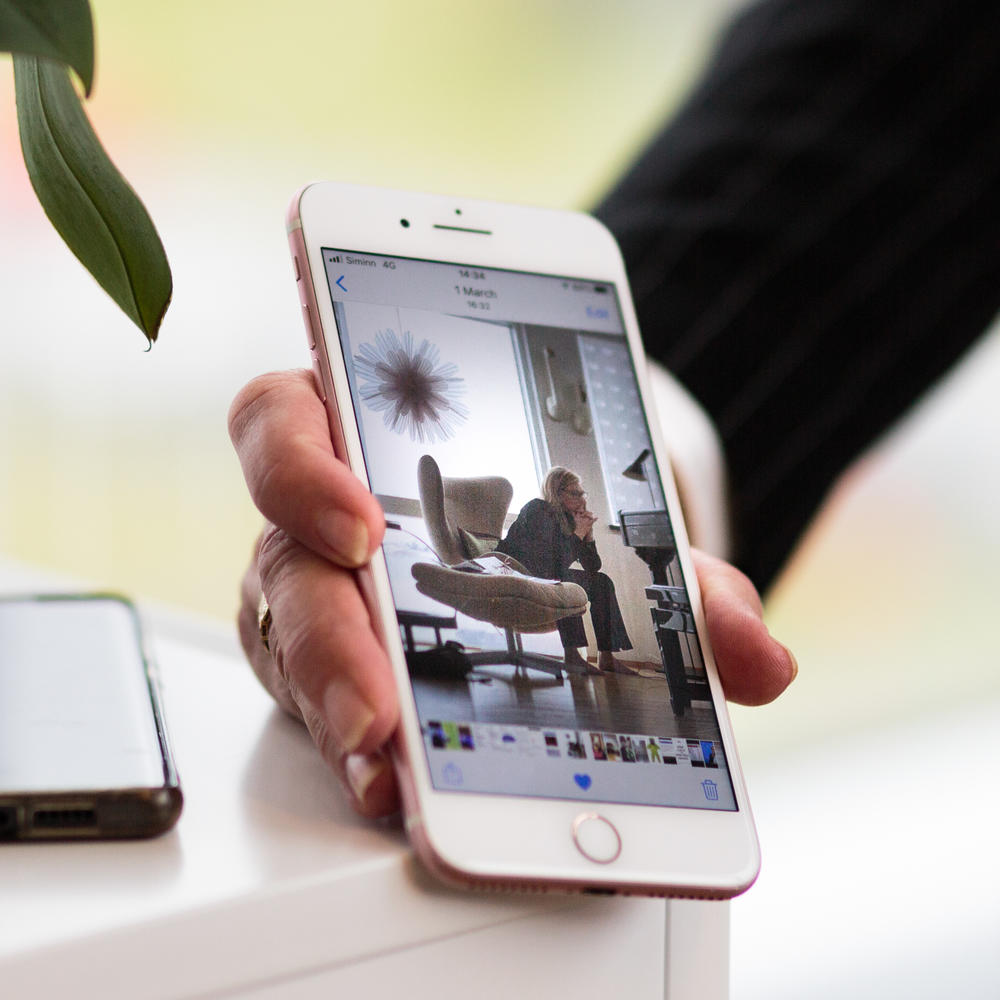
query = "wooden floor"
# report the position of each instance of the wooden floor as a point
(614, 703)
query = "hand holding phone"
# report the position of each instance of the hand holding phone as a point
(285, 618)
(304, 583)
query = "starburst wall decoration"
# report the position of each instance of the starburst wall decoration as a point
(412, 389)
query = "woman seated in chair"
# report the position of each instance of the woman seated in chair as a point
(550, 535)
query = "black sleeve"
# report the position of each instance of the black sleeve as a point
(814, 239)
(532, 541)
(586, 552)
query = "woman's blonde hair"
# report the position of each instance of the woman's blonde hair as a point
(556, 481)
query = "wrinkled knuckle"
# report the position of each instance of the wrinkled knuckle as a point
(291, 642)
(256, 398)
(247, 404)
(276, 552)
(291, 654)
(278, 476)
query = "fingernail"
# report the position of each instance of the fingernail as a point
(362, 769)
(348, 714)
(346, 535)
(791, 656)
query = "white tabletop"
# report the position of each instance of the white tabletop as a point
(270, 882)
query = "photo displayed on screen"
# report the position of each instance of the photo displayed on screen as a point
(542, 609)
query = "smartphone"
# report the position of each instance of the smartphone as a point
(562, 724)
(84, 752)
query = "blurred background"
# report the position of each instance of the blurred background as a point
(873, 779)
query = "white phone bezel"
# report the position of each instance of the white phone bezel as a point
(477, 838)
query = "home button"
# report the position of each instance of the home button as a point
(596, 838)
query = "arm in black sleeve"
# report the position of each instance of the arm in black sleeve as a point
(533, 540)
(587, 554)
(814, 238)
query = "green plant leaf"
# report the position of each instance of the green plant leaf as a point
(88, 201)
(55, 29)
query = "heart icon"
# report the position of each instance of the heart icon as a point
(583, 780)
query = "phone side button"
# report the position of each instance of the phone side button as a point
(310, 332)
(596, 838)
(318, 377)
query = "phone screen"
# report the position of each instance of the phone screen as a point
(542, 610)
(77, 713)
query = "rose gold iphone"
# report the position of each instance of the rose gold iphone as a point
(562, 725)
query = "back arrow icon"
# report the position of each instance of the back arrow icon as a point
(340, 283)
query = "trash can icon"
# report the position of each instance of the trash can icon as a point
(711, 790)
